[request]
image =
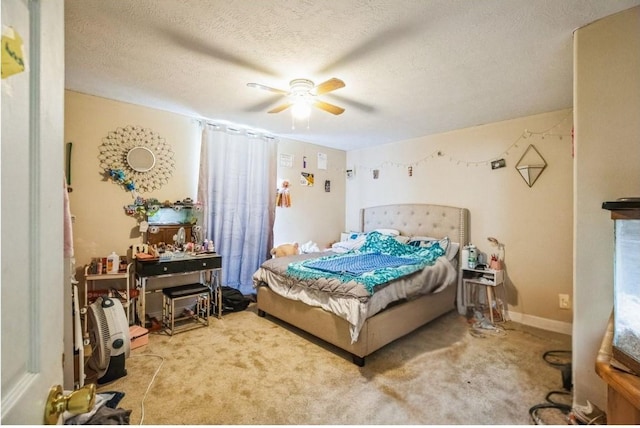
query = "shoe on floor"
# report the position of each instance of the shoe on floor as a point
(155, 324)
(590, 414)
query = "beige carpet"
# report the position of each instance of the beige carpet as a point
(248, 370)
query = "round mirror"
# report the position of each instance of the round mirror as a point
(141, 159)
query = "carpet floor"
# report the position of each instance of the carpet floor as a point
(247, 370)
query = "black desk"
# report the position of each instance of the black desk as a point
(203, 264)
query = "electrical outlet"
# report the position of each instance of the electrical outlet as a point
(564, 301)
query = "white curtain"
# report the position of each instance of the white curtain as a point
(237, 186)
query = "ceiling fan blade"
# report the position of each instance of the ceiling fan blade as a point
(268, 88)
(280, 108)
(368, 108)
(328, 86)
(328, 107)
(263, 105)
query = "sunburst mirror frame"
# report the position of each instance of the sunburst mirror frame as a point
(137, 158)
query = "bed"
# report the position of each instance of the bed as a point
(390, 312)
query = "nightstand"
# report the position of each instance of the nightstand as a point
(489, 278)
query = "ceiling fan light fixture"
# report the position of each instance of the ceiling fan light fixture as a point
(300, 86)
(301, 109)
(302, 95)
(300, 98)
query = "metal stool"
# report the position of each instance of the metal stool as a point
(200, 318)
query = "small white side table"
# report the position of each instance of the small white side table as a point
(91, 294)
(489, 278)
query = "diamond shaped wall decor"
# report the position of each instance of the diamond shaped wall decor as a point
(531, 165)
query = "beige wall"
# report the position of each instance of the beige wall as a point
(101, 226)
(535, 224)
(607, 167)
(314, 215)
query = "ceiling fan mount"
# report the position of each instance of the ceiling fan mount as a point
(304, 91)
(301, 86)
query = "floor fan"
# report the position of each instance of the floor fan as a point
(110, 338)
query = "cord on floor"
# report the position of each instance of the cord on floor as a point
(554, 359)
(150, 383)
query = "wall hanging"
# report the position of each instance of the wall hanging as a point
(531, 165)
(283, 198)
(306, 179)
(136, 158)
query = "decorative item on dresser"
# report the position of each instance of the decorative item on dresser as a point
(394, 308)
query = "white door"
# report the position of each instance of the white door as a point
(32, 168)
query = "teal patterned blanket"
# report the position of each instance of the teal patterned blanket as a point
(381, 259)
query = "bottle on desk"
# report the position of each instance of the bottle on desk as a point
(113, 263)
(473, 256)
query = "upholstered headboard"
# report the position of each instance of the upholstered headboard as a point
(436, 221)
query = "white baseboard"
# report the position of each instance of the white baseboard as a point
(543, 323)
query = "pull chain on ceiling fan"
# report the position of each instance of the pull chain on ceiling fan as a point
(302, 94)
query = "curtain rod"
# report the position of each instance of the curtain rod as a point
(237, 129)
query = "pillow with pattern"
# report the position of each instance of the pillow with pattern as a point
(392, 232)
(386, 244)
(451, 248)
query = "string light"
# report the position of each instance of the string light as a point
(526, 134)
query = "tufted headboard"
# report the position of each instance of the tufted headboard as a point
(436, 221)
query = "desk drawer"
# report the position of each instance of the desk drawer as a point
(177, 266)
(204, 263)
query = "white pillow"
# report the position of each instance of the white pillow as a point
(422, 238)
(452, 251)
(402, 239)
(354, 235)
(353, 242)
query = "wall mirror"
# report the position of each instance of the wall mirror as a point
(141, 159)
(531, 165)
(137, 158)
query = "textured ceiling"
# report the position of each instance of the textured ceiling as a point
(411, 67)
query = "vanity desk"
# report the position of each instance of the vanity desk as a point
(206, 263)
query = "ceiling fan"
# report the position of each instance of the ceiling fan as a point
(302, 93)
